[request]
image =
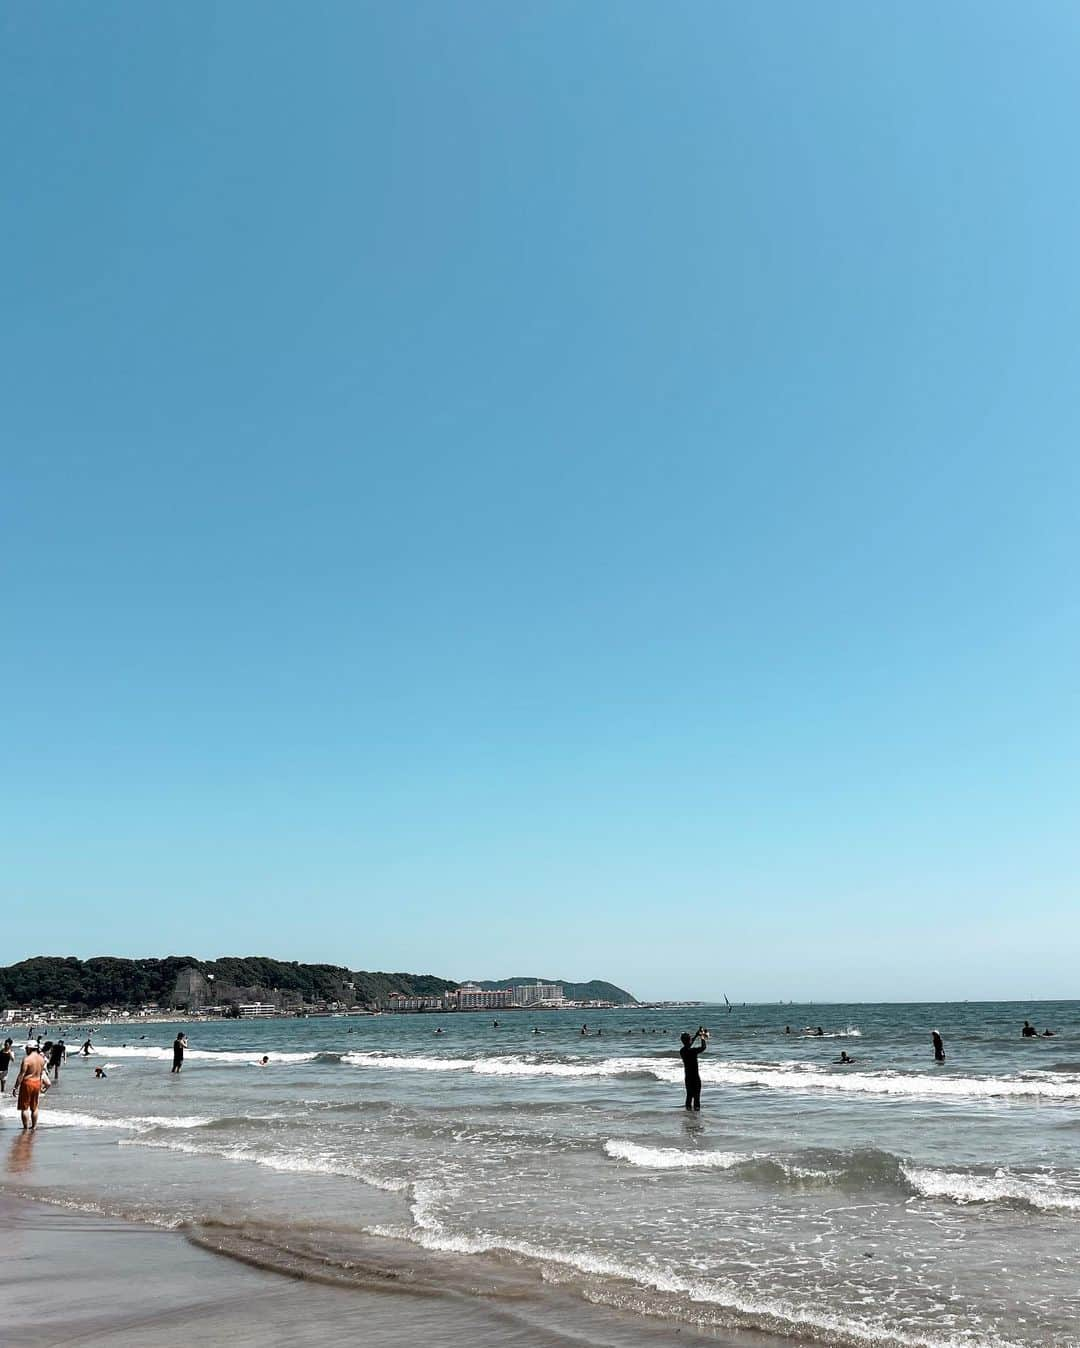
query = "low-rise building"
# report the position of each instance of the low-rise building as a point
(400, 1001)
(470, 997)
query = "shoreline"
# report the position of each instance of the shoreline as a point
(110, 1282)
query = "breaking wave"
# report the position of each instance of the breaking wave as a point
(786, 1076)
(157, 1054)
(671, 1158)
(1040, 1193)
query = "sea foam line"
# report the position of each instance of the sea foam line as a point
(1041, 1193)
(772, 1076)
(671, 1158)
(776, 1316)
(157, 1054)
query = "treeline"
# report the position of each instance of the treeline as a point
(106, 981)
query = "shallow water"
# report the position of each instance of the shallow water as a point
(894, 1201)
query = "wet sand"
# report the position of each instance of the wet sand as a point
(74, 1278)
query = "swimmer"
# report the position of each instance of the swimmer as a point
(264, 1061)
(844, 1059)
(100, 1073)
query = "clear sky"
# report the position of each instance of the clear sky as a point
(578, 489)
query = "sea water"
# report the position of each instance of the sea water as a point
(893, 1201)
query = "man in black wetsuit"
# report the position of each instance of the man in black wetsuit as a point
(939, 1046)
(179, 1044)
(57, 1056)
(689, 1055)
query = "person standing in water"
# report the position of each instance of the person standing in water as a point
(939, 1046)
(6, 1055)
(689, 1055)
(179, 1044)
(57, 1056)
(29, 1084)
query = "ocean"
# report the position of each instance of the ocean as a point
(893, 1201)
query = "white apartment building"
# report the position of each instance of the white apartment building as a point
(531, 994)
(471, 998)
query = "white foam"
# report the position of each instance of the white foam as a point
(1040, 1192)
(66, 1118)
(294, 1163)
(788, 1076)
(502, 1067)
(158, 1054)
(780, 1314)
(936, 1085)
(671, 1158)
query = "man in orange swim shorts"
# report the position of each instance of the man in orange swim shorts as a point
(28, 1085)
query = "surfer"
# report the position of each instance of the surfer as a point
(1029, 1031)
(939, 1046)
(844, 1059)
(691, 1072)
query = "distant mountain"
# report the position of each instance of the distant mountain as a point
(595, 991)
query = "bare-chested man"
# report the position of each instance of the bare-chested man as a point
(29, 1084)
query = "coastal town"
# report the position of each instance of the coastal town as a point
(198, 994)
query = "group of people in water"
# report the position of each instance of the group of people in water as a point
(41, 1064)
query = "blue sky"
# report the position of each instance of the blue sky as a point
(587, 490)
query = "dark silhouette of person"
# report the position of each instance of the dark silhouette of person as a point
(690, 1055)
(1029, 1031)
(179, 1044)
(939, 1046)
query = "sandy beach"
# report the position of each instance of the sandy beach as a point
(76, 1278)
